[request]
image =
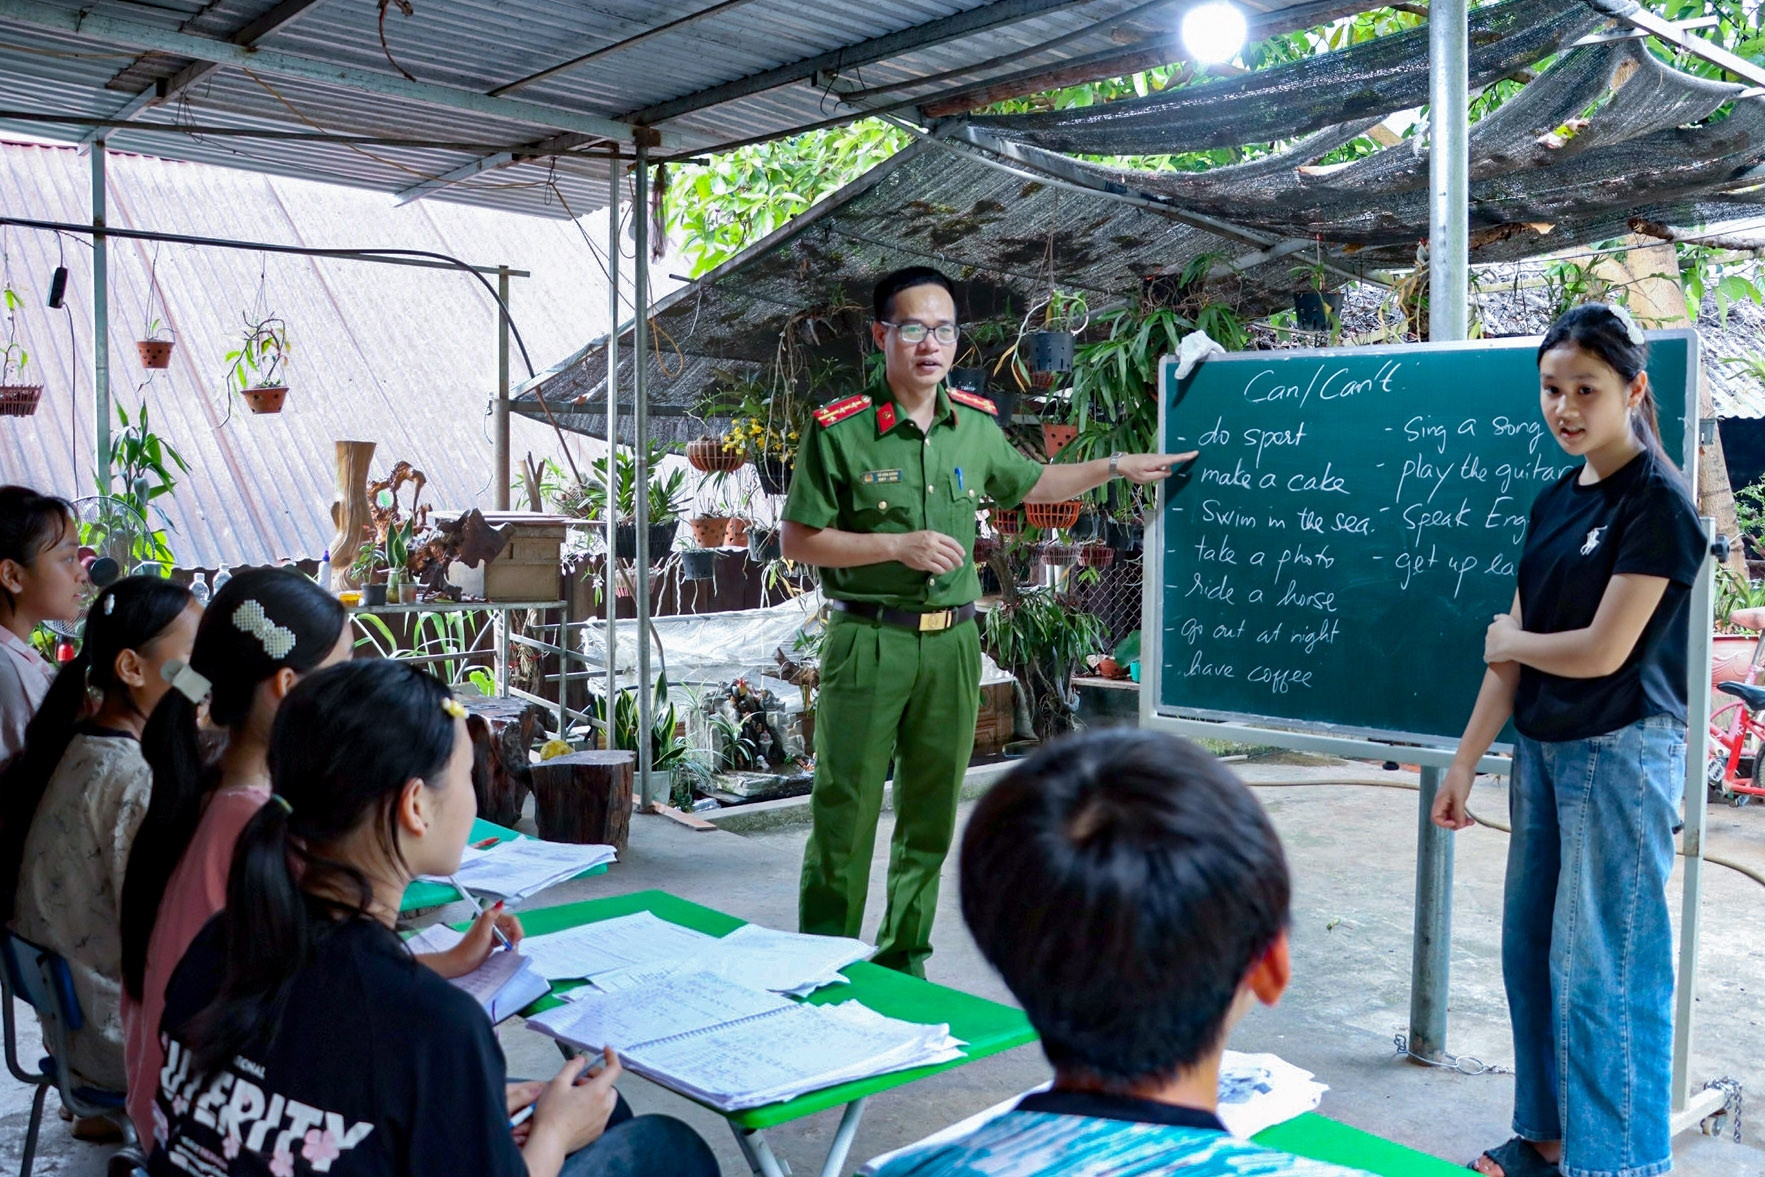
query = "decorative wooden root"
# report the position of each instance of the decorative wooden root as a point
(502, 731)
(349, 508)
(584, 797)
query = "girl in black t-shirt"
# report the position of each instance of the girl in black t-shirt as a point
(302, 1037)
(1591, 664)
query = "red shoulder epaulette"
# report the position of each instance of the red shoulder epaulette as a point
(972, 401)
(838, 411)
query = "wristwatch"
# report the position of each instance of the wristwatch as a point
(1115, 464)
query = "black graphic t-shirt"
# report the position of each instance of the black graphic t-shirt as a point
(1639, 520)
(377, 1068)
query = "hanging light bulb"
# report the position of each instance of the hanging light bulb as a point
(1214, 32)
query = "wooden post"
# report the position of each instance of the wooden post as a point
(349, 508)
(584, 797)
(502, 732)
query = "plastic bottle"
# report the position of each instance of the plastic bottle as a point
(324, 577)
(199, 588)
(222, 575)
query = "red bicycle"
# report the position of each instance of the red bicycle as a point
(1736, 770)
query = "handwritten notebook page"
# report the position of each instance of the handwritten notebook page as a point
(588, 950)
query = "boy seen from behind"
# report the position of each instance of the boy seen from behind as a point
(1133, 896)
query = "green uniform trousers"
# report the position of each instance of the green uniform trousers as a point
(888, 695)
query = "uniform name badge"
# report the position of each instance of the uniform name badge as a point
(876, 477)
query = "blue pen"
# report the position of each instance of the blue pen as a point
(959, 485)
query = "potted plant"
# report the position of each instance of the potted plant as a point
(1051, 348)
(400, 588)
(256, 367)
(153, 347)
(1049, 516)
(1096, 555)
(709, 530)
(668, 499)
(735, 535)
(764, 544)
(17, 399)
(1314, 309)
(698, 563)
(1040, 635)
(1005, 522)
(1058, 555)
(767, 418)
(712, 455)
(363, 571)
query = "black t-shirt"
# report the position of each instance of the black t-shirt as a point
(1639, 520)
(378, 1068)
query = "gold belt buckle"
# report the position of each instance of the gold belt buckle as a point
(933, 622)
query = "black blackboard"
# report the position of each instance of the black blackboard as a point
(1333, 558)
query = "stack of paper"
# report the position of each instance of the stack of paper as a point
(784, 962)
(733, 1047)
(522, 867)
(503, 985)
(1258, 1091)
(590, 950)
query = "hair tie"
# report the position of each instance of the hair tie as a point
(186, 681)
(1631, 330)
(453, 707)
(278, 640)
(109, 604)
(278, 799)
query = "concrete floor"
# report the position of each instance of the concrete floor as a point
(1352, 856)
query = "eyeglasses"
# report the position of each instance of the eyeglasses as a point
(944, 333)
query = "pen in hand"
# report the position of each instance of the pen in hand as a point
(454, 882)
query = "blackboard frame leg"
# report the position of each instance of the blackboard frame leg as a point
(1431, 956)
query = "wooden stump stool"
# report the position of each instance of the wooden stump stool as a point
(584, 797)
(502, 732)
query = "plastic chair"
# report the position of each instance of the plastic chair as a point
(42, 979)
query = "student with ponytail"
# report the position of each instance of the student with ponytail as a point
(41, 579)
(72, 801)
(300, 1034)
(265, 629)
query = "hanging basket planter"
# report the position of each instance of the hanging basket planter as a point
(764, 544)
(1048, 516)
(707, 455)
(698, 564)
(154, 353)
(735, 535)
(1050, 357)
(1056, 437)
(266, 400)
(1096, 555)
(1006, 522)
(775, 474)
(709, 530)
(1059, 555)
(19, 400)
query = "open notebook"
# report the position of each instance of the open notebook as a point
(733, 1047)
(503, 985)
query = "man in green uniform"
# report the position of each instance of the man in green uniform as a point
(884, 501)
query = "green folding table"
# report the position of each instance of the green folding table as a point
(423, 893)
(987, 1027)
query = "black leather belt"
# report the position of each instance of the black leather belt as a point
(933, 622)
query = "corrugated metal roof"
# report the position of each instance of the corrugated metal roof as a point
(477, 46)
(405, 357)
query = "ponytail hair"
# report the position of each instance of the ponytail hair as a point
(346, 742)
(1608, 333)
(30, 524)
(235, 659)
(128, 615)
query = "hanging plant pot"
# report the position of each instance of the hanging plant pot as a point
(764, 544)
(1096, 555)
(736, 534)
(266, 400)
(1005, 404)
(154, 353)
(19, 400)
(1317, 311)
(706, 454)
(775, 474)
(1123, 537)
(1050, 356)
(698, 564)
(1048, 516)
(709, 530)
(1006, 522)
(1059, 555)
(1057, 437)
(661, 539)
(1089, 527)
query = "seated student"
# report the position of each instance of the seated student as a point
(300, 1034)
(41, 579)
(72, 800)
(264, 630)
(1133, 896)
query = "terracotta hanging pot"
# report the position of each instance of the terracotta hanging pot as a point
(1096, 555)
(709, 530)
(154, 353)
(1057, 437)
(1006, 522)
(706, 453)
(1059, 555)
(736, 535)
(1048, 516)
(19, 400)
(266, 400)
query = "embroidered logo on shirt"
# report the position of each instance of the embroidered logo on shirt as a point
(1593, 541)
(873, 477)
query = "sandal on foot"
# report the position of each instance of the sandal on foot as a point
(1518, 1158)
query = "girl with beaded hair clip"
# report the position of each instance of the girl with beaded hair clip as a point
(265, 630)
(1590, 662)
(72, 801)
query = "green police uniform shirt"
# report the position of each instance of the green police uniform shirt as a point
(867, 468)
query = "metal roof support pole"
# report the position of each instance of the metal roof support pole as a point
(611, 589)
(500, 493)
(1448, 293)
(640, 225)
(100, 325)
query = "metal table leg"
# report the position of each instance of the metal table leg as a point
(842, 1139)
(758, 1152)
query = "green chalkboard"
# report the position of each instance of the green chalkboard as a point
(1332, 559)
